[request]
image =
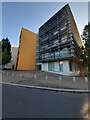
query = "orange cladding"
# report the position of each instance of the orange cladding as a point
(27, 51)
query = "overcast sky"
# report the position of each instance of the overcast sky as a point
(31, 15)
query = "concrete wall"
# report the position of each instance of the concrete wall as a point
(27, 51)
(14, 51)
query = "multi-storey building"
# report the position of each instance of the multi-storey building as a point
(58, 43)
(26, 57)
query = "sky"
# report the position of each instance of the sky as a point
(31, 15)
(44, 0)
(89, 11)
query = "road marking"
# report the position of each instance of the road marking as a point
(46, 88)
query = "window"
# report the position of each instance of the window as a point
(61, 66)
(51, 66)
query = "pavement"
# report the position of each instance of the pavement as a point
(45, 80)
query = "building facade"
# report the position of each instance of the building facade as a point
(12, 64)
(58, 44)
(26, 58)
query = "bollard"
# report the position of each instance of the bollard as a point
(12, 74)
(46, 77)
(86, 79)
(5, 72)
(35, 76)
(21, 77)
(60, 78)
(74, 79)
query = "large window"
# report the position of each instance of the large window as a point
(61, 66)
(51, 66)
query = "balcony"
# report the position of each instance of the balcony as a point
(57, 55)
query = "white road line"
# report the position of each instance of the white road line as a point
(46, 88)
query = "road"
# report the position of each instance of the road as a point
(21, 102)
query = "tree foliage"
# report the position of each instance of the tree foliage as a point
(0, 53)
(5, 52)
(83, 57)
(86, 38)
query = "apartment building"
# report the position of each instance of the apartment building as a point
(26, 58)
(58, 44)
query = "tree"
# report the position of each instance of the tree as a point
(86, 38)
(0, 53)
(6, 51)
(83, 57)
(84, 61)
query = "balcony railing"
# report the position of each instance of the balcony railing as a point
(52, 56)
(60, 55)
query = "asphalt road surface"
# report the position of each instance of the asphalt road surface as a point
(20, 102)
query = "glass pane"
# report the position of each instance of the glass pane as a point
(50, 66)
(61, 67)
